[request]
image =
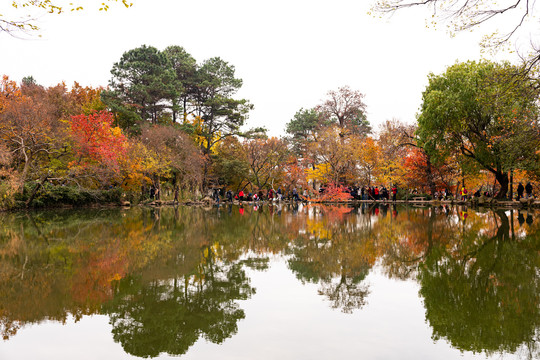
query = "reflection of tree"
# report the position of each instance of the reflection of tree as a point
(170, 316)
(482, 294)
(407, 242)
(166, 282)
(346, 294)
(335, 255)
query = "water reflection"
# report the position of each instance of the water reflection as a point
(167, 277)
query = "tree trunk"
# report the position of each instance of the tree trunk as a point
(431, 183)
(34, 192)
(502, 179)
(24, 174)
(511, 196)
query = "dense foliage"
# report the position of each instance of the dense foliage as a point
(169, 127)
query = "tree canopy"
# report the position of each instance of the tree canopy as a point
(479, 111)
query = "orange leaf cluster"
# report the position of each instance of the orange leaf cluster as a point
(97, 139)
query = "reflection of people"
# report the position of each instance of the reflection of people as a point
(521, 219)
(463, 214)
(446, 210)
(529, 219)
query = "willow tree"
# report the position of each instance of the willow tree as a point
(479, 111)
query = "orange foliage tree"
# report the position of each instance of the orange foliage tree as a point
(98, 144)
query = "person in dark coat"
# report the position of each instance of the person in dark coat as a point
(520, 190)
(528, 190)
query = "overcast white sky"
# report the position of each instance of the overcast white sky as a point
(289, 53)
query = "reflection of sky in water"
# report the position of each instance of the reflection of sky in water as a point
(284, 320)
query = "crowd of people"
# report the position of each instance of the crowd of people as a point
(377, 193)
(355, 192)
(270, 195)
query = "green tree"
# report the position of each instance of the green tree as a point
(302, 129)
(478, 110)
(184, 66)
(481, 294)
(222, 115)
(142, 85)
(170, 317)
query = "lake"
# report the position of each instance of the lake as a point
(270, 282)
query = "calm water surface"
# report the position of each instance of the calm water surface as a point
(273, 282)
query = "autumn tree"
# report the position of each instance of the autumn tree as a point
(265, 157)
(99, 146)
(29, 128)
(176, 154)
(334, 154)
(394, 139)
(346, 108)
(369, 159)
(293, 174)
(477, 110)
(421, 173)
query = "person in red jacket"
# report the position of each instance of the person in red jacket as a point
(394, 192)
(241, 195)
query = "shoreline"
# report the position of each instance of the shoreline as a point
(490, 203)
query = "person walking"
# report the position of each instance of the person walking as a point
(394, 193)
